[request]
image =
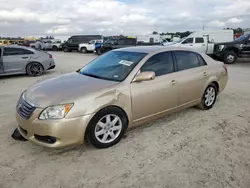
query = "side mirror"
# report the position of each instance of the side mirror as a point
(144, 76)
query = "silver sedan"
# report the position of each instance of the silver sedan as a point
(23, 60)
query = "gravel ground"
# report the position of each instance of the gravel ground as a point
(189, 149)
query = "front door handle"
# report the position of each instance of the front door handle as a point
(204, 73)
(25, 57)
(173, 82)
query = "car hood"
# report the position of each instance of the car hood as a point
(64, 89)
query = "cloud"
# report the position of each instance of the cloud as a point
(217, 23)
(61, 17)
(235, 20)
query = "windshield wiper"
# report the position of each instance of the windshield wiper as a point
(92, 75)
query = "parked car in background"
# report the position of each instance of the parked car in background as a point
(116, 91)
(229, 52)
(22, 60)
(28, 43)
(38, 44)
(215, 36)
(90, 46)
(73, 42)
(204, 40)
(122, 42)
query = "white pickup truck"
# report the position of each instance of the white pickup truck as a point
(88, 47)
(197, 43)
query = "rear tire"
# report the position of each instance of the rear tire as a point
(66, 50)
(34, 69)
(209, 97)
(230, 57)
(107, 127)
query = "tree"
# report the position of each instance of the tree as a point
(155, 33)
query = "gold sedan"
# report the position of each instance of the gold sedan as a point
(116, 91)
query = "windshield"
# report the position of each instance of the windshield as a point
(114, 65)
(242, 38)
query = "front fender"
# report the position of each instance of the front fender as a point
(93, 104)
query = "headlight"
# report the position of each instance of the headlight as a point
(55, 112)
(221, 47)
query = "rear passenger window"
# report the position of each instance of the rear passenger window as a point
(199, 40)
(186, 60)
(201, 60)
(16, 51)
(161, 64)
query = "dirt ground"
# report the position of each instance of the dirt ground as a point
(189, 149)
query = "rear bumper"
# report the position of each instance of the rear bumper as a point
(51, 67)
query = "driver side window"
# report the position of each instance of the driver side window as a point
(161, 63)
(188, 41)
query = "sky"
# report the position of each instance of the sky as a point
(114, 17)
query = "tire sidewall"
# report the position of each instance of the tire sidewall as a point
(28, 67)
(98, 51)
(55, 48)
(90, 132)
(84, 50)
(66, 50)
(204, 106)
(227, 54)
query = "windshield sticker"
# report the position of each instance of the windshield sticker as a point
(127, 63)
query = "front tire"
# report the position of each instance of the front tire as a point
(55, 48)
(209, 97)
(98, 51)
(107, 127)
(230, 57)
(84, 50)
(34, 69)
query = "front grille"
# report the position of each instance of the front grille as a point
(25, 109)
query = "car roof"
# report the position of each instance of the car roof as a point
(21, 47)
(154, 49)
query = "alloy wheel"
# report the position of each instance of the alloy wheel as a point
(108, 128)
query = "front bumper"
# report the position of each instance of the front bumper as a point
(53, 133)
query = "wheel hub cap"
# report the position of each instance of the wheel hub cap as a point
(108, 128)
(209, 96)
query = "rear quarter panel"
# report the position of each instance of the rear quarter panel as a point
(217, 73)
(42, 58)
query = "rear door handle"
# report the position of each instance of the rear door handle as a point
(190, 45)
(173, 82)
(204, 73)
(25, 57)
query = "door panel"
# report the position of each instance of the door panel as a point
(191, 83)
(200, 45)
(15, 63)
(188, 43)
(153, 97)
(246, 48)
(193, 73)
